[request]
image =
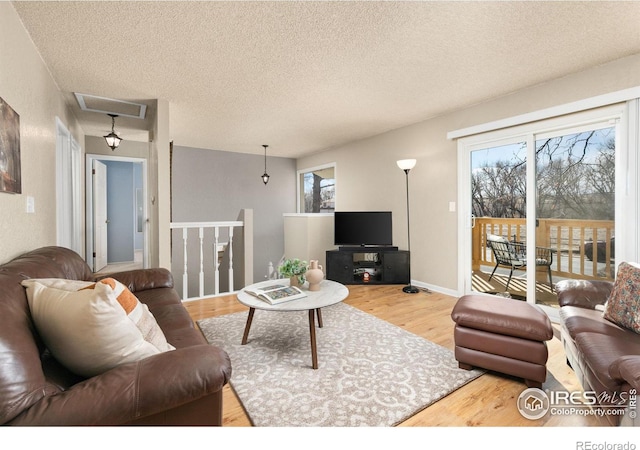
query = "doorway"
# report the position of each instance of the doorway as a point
(117, 224)
(574, 212)
(541, 203)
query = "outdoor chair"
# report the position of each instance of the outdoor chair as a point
(514, 256)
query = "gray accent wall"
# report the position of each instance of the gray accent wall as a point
(213, 185)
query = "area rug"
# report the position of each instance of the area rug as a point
(371, 373)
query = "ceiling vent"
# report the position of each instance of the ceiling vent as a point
(104, 105)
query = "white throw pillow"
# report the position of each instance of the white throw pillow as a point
(93, 327)
(138, 312)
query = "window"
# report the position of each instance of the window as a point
(317, 189)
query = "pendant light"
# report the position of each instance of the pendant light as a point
(113, 140)
(265, 175)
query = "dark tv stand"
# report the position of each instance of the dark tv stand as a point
(382, 265)
(368, 248)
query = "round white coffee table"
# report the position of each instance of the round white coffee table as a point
(330, 293)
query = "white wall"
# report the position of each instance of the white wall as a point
(27, 86)
(308, 237)
(368, 178)
(160, 192)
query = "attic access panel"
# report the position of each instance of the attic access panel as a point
(105, 105)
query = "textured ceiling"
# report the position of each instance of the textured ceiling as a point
(305, 76)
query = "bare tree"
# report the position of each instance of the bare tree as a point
(499, 191)
(570, 181)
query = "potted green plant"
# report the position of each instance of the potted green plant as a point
(294, 269)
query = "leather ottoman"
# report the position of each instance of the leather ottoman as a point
(502, 335)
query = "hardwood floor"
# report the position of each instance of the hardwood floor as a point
(489, 401)
(121, 267)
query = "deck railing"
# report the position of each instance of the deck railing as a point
(582, 248)
(215, 257)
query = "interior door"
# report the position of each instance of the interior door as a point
(100, 219)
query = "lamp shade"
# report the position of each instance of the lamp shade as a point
(406, 164)
(113, 140)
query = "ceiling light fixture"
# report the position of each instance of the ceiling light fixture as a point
(265, 175)
(113, 140)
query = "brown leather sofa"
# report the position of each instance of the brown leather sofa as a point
(178, 387)
(604, 356)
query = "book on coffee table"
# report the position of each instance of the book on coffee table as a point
(277, 293)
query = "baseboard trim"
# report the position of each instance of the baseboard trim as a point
(440, 289)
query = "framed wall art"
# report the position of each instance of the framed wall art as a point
(10, 180)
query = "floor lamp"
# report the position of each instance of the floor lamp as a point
(407, 165)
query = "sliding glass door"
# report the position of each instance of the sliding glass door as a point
(526, 226)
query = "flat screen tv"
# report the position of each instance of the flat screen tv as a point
(362, 228)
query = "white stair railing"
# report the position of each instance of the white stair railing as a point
(220, 251)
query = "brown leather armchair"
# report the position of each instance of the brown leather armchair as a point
(179, 387)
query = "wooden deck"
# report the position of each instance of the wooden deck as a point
(517, 288)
